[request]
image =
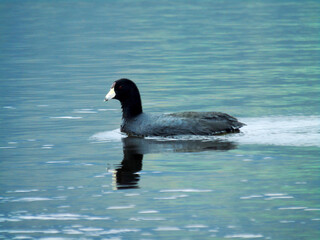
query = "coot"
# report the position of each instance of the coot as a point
(136, 122)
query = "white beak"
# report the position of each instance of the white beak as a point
(111, 94)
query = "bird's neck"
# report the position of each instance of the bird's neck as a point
(131, 108)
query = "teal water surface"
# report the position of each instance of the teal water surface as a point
(68, 173)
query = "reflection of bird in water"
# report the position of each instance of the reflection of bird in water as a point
(126, 176)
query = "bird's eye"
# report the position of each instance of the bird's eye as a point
(120, 87)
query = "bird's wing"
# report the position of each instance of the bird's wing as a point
(197, 123)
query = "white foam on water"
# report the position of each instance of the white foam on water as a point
(108, 136)
(280, 130)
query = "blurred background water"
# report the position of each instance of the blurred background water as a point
(67, 172)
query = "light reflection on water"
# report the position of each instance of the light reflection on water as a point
(65, 173)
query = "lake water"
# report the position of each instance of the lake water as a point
(66, 172)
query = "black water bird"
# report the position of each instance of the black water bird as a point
(137, 123)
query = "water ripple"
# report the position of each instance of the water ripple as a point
(121, 207)
(245, 235)
(167, 229)
(61, 217)
(186, 190)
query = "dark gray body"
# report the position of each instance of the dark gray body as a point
(185, 123)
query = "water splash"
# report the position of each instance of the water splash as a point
(280, 130)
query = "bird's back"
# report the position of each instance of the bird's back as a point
(184, 123)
